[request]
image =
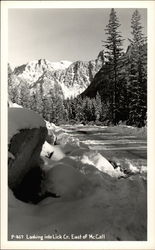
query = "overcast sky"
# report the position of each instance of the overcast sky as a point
(62, 34)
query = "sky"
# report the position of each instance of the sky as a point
(62, 34)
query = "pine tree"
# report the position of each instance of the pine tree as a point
(87, 109)
(12, 92)
(113, 53)
(137, 89)
(122, 110)
(58, 109)
(98, 107)
(24, 95)
(72, 109)
(33, 101)
(48, 108)
(67, 108)
(39, 99)
(12, 89)
(79, 109)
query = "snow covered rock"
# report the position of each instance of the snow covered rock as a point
(26, 135)
(92, 158)
(51, 151)
(65, 181)
(22, 119)
(101, 163)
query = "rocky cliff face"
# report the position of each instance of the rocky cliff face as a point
(70, 78)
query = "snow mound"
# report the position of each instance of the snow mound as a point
(101, 163)
(80, 155)
(116, 209)
(14, 105)
(53, 152)
(22, 119)
(65, 181)
(98, 161)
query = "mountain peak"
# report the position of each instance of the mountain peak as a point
(72, 77)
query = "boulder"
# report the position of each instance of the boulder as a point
(25, 148)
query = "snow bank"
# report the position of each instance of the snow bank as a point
(22, 119)
(80, 155)
(101, 163)
(91, 199)
(65, 181)
(116, 209)
(70, 172)
(14, 105)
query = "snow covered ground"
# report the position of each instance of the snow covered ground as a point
(95, 200)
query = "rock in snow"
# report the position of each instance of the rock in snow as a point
(27, 133)
(51, 151)
(101, 163)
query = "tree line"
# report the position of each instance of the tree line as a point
(125, 90)
(122, 96)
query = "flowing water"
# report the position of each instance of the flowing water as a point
(113, 145)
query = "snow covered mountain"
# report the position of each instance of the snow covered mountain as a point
(35, 69)
(71, 78)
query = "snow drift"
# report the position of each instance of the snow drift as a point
(91, 196)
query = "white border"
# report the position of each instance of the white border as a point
(150, 244)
